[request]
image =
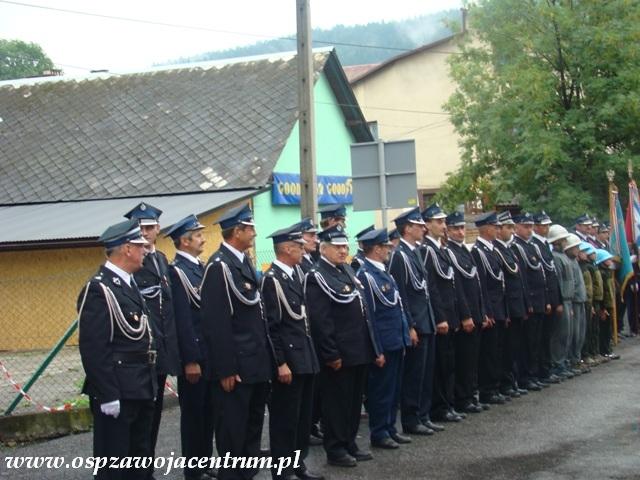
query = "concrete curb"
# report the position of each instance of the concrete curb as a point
(30, 427)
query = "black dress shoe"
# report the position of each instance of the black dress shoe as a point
(522, 391)
(533, 386)
(503, 398)
(284, 477)
(345, 460)
(400, 439)
(448, 417)
(304, 474)
(211, 473)
(315, 441)
(433, 426)
(418, 430)
(613, 356)
(507, 392)
(385, 443)
(543, 384)
(493, 399)
(316, 431)
(361, 455)
(462, 415)
(471, 408)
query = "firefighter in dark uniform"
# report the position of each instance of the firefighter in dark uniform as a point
(449, 313)
(467, 338)
(492, 334)
(333, 214)
(292, 391)
(407, 269)
(116, 349)
(153, 282)
(533, 271)
(343, 336)
(309, 259)
(394, 238)
(539, 239)
(358, 259)
(517, 305)
(195, 383)
(237, 339)
(310, 237)
(391, 334)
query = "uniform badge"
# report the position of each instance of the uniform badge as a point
(247, 285)
(135, 317)
(284, 275)
(116, 281)
(346, 289)
(386, 287)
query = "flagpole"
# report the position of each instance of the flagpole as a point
(612, 216)
(632, 184)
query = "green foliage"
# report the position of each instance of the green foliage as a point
(547, 100)
(404, 34)
(19, 59)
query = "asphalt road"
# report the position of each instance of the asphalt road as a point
(585, 428)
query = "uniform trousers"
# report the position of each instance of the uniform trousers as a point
(341, 402)
(417, 381)
(290, 418)
(467, 348)
(197, 420)
(591, 347)
(512, 354)
(239, 424)
(605, 331)
(490, 366)
(560, 338)
(383, 395)
(157, 416)
(444, 375)
(533, 336)
(129, 435)
(546, 332)
(578, 329)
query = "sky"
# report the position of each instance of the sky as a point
(79, 43)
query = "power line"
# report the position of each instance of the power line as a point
(208, 29)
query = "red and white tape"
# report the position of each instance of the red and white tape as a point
(169, 386)
(18, 388)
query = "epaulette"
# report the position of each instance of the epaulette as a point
(270, 273)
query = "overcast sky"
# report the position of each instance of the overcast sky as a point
(99, 43)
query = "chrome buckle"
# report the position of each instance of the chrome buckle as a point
(153, 355)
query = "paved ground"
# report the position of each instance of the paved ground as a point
(586, 428)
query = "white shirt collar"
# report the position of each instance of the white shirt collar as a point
(523, 239)
(308, 257)
(188, 256)
(539, 237)
(151, 248)
(322, 257)
(486, 242)
(126, 276)
(460, 244)
(507, 243)
(285, 268)
(412, 247)
(235, 251)
(378, 265)
(435, 241)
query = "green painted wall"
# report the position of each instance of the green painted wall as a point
(333, 141)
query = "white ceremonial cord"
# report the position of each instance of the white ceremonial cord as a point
(470, 274)
(415, 283)
(550, 267)
(193, 293)
(523, 254)
(487, 267)
(115, 312)
(446, 276)
(151, 292)
(375, 292)
(512, 270)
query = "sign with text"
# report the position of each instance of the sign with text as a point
(331, 189)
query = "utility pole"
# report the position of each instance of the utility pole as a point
(306, 113)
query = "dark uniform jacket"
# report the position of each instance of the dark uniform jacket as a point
(463, 261)
(492, 279)
(153, 282)
(307, 264)
(382, 297)
(235, 330)
(533, 273)
(452, 307)
(291, 336)
(357, 260)
(340, 323)
(514, 282)
(116, 367)
(186, 303)
(408, 271)
(550, 274)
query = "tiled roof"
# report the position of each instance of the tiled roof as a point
(206, 127)
(354, 72)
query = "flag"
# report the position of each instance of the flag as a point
(618, 241)
(632, 223)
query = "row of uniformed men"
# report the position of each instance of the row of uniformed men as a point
(355, 334)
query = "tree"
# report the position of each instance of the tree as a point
(19, 59)
(547, 100)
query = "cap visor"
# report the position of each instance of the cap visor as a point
(249, 224)
(417, 222)
(148, 221)
(139, 241)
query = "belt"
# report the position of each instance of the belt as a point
(140, 358)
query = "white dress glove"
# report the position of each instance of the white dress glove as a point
(111, 408)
